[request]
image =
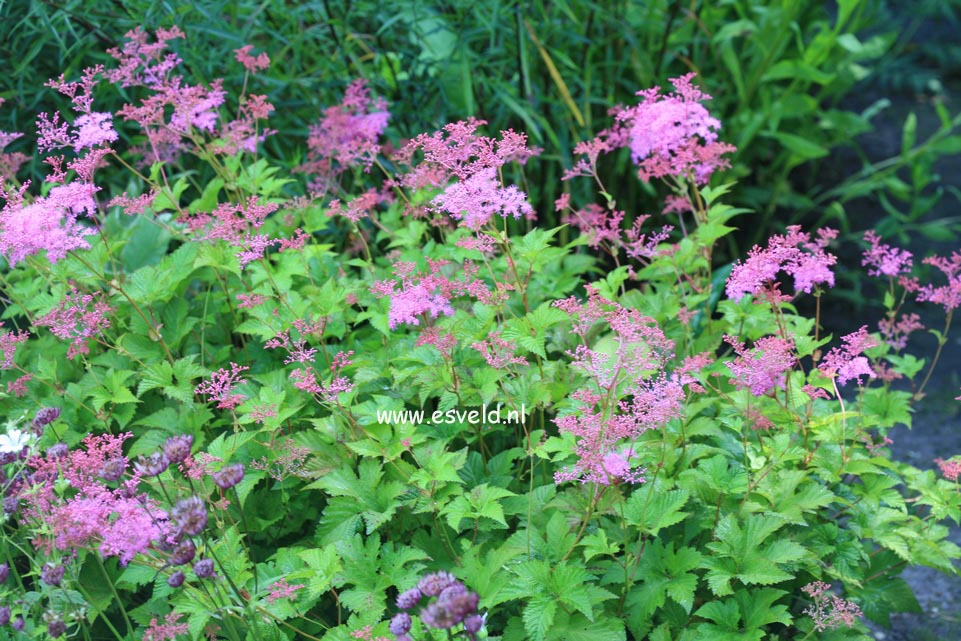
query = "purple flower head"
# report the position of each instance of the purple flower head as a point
(474, 623)
(4, 572)
(190, 514)
(408, 599)
(59, 450)
(52, 574)
(177, 448)
(44, 417)
(18, 623)
(153, 465)
(176, 579)
(459, 599)
(113, 468)
(229, 476)
(10, 504)
(434, 584)
(184, 553)
(453, 605)
(400, 624)
(204, 568)
(56, 628)
(4, 615)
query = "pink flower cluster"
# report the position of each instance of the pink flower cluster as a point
(673, 134)
(120, 521)
(77, 318)
(237, 224)
(764, 368)
(829, 611)
(251, 63)
(347, 136)
(645, 396)
(602, 227)
(951, 469)
(221, 385)
(10, 162)
(498, 352)
(283, 590)
(457, 152)
(885, 260)
(669, 135)
(427, 295)
(174, 111)
(296, 347)
(948, 296)
(794, 253)
(895, 332)
(169, 630)
(8, 345)
(846, 362)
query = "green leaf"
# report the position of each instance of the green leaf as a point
(758, 609)
(576, 627)
(724, 613)
(652, 510)
(803, 148)
(539, 616)
(797, 70)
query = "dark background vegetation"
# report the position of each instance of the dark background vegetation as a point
(798, 85)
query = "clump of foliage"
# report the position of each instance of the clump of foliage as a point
(396, 404)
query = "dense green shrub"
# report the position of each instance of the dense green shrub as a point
(238, 414)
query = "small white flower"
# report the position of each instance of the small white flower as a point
(14, 440)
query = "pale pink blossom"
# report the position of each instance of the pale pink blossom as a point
(885, 260)
(251, 63)
(764, 368)
(846, 362)
(220, 386)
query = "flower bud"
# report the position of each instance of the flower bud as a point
(204, 568)
(177, 448)
(190, 514)
(400, 624)
(52, 574)
(152, 465)
(229, 476)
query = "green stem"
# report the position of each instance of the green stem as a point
(113, 592)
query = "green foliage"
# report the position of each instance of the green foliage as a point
(577, 445)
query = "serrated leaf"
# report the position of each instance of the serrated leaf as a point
(653, 511)
(539, 616)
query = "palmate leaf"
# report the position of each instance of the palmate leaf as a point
(652, 509)
(576, 627)
(662, 573)
(322, 564)
(746, 553)
(363, 495)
